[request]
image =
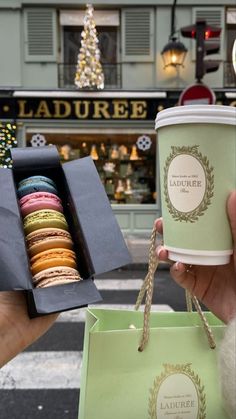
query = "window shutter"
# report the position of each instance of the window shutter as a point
(137, 34)
(214, 16)
(40, 34)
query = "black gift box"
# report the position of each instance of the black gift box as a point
(98, 241)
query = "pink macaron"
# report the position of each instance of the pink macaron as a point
(39, 200)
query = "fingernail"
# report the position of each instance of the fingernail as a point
(157, 222)
(159, 252)
(177, 266)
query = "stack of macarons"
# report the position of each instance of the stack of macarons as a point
(49, 243)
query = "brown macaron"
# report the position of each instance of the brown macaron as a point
(48, 238)
(55, 276)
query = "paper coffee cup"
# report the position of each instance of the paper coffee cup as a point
(197, 163)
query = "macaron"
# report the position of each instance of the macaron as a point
(44, 219)
(55, 276)
(48, 238)
(36, 184)
(52, 258)
(39, 200)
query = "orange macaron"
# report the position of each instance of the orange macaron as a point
(52, 258)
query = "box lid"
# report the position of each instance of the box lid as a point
(100, 229)
(14, 274)
(63, 298)
(27, 158)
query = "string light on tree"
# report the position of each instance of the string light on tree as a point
(89, 73)
(7, 141)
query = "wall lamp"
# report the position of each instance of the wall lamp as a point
(174, 52)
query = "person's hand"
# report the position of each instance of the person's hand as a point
(215, 286)
(17, 330)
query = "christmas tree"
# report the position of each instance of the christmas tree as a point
(89, 70)
(7, 141)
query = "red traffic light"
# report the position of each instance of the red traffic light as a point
(189, 31)
(210, 31)
(201, 32)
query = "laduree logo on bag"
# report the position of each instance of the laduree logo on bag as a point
(188, 183)
(177, 393)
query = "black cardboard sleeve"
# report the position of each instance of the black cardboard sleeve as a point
(98, 225)
(63, 298)
(14, 263)
(31, 158)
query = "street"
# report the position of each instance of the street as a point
(44, 381)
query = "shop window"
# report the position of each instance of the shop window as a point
(126, 162)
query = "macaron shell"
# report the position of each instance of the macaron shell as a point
(50, 263)
(40, 205)
(59, 273)
(37, 178)
(38, 201)
(53, 258)
(54, 282)
(44, 219)
(55, 253)
(51, 243)
(36, 187)
(46, 233)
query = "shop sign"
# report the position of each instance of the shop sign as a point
(112, 109)
(81, 109)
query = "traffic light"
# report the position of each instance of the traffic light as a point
(202, 32)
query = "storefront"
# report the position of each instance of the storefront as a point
(115, 128)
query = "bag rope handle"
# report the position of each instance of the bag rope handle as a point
(147, 291)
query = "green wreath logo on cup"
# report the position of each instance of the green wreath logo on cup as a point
(188, 183)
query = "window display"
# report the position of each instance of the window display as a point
(125, 162)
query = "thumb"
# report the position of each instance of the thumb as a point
(231, 208)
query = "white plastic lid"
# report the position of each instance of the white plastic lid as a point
(208, 114)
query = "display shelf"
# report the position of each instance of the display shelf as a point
(126, 163)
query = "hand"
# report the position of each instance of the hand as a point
(215, 286)
(17, 330)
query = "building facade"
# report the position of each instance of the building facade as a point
(39, 45)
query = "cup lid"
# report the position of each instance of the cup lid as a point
(208, 114)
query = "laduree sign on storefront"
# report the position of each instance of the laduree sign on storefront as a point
(72, 108)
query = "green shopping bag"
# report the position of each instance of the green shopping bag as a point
(171, 373)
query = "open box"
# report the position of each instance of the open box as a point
(98, 241)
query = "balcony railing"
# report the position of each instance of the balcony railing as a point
(113, 75)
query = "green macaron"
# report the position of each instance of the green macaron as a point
(44, 219)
